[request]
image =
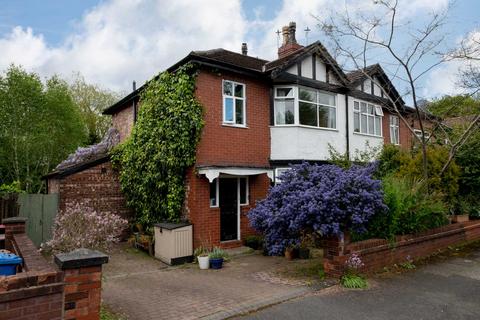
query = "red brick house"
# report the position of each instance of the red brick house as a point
(260, 116)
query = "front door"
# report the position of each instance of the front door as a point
(228, 209)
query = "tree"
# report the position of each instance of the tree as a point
(365, 36)
(39, 126)
(91, 100)
(322, 199)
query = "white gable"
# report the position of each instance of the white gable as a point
(320, 70)
(307, 67)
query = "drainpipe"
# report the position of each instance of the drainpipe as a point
(347, 126)
(134, 87)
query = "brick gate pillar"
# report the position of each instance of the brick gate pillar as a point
(335, 254)
(83, 283)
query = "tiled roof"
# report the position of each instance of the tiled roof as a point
(233, 58)
(359, 74)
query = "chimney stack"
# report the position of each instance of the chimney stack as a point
(289, 43)
(244, 49)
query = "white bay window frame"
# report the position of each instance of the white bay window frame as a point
(296, 99)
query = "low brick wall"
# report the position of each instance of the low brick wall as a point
(379, 253)
(41, 290)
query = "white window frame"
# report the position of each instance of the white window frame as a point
(244, 99)
(418, 133)
(217, 194)
(246, 191)
(394, 128)
(296, 90)
(278, 172)
(377, 113)
(217, 191)
(295, 111)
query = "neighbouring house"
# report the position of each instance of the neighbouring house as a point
(260, 116)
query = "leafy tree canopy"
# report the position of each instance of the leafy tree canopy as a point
(39, 126)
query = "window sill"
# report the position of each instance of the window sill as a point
(234, 126)
(303, 126)
(367, 135)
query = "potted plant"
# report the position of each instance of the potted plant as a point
(217, 257)
(291, 252)
(201, 255)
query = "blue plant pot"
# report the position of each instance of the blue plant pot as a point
(216, 263)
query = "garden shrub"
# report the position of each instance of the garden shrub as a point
(80, 226)
(162, 145)
(324, 199)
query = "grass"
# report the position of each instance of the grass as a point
(353, 281)
(107, 314)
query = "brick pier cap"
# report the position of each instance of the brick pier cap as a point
(80, 258)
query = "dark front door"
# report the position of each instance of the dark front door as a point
(228, 209)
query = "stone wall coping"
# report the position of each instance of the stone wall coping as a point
(80, 258)
(13, 220)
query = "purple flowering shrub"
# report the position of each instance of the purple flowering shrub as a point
(324, 199)
(80, 226)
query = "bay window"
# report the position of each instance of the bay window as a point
(312, 107)
(367, 118)
(233, 103)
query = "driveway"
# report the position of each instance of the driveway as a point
(140, 287)
(442, 290)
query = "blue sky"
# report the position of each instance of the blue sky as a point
(113, 42)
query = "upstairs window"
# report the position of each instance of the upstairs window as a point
(284, 106)
(367, 118)
(233, 103)
(316, 109)
(394, 130)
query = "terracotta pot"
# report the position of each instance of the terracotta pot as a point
(291, 253)
(460, 218)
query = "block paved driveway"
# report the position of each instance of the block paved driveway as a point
(140, 287)
(441, 291)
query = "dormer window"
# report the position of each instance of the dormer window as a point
(234, 103)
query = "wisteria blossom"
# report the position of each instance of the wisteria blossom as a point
(324, 199)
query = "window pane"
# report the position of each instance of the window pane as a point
(284, 111)
(378, 124)
(228, 117)
(371, 125)
(213, 193)
(378, 111)
(284, 92)
(243, 191)
(356, 122)
(356, 105)
(363, 124)
(239, 111)
(308, 95)
(308, 114)
(239, 90)
(332, 119)
(363, 106)
(227, 88)
(370, 109)
(324, 98)
(323, 114)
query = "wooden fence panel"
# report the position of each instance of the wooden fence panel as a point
(8, 206)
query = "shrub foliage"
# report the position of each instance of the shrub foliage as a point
(325, 199)
(153, 160)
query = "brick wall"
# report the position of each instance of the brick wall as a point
(123, 121)
(98, 185)
(206, 220)
(224, 145)
(379, 253)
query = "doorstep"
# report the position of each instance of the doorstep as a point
(238, 251)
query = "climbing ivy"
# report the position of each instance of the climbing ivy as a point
(153, 160)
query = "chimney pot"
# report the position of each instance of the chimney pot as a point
(134, 85)
(289, 44)
(244, 49)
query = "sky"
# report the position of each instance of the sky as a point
(113, 42)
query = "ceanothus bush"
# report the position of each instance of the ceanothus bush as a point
(317, 198)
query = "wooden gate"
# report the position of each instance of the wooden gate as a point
(40, 210)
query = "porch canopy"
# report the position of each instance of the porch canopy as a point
(214, 172)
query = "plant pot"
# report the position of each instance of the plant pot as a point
(203, 262)
(304, 253)
(291, 253)
(460, 218)
(216, 263)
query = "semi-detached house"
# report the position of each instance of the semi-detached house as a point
(260, 116)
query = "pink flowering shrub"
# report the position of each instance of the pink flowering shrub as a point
(80, 226)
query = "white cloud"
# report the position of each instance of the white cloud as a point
(119, 41)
